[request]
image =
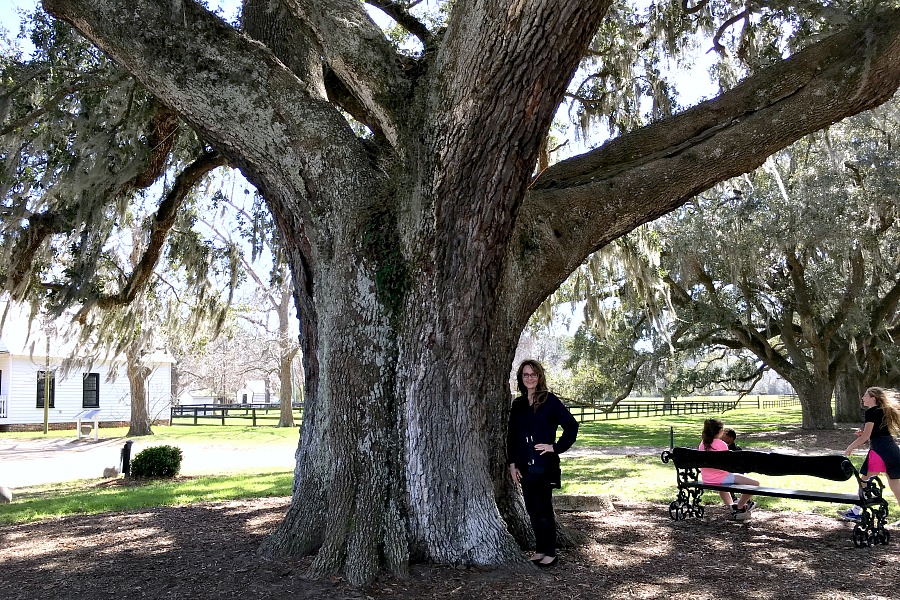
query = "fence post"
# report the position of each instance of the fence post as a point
(195, 415)
(254, 416)
(671, 437)
(758, 405)
(223, 416)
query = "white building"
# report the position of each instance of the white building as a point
(255, 391)
(23, 363)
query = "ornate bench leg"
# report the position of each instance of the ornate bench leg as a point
(687, 503)
(678, 508)
(871, 527)
(696, 508)
(871, 530)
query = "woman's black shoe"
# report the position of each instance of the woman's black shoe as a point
(545, 565)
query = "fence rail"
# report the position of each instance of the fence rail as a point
(207, 414)
(633, 410)
(782, 401)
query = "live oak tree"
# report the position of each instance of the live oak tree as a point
(420, 247)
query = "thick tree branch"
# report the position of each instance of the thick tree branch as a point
(356, 50)
(855, 282)
(234, 91)
(579, 205)
(162, 224)
(399, 13)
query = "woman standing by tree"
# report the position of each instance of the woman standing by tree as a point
(533, 453)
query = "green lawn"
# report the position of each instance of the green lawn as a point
(163, 434)
(633, 478)
(88, 497)
(629, 478)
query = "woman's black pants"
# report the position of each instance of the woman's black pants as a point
(539, 504)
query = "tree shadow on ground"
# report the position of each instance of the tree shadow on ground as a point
(210, 551)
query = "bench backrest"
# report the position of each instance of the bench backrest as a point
(832, 466)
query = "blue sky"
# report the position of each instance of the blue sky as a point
(9, 18)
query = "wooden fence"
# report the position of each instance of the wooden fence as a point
(782, 401)
(633, 410)
(215, 414)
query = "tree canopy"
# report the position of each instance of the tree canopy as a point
(419, 233)
(794, 267)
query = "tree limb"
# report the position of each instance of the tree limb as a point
(356, 49)
(399, 13)
(233, 90)
(162, 223)
(581, 204)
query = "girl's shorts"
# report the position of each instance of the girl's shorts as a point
(729, 479)
(883, 457)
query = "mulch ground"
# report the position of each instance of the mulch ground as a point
(210, 551)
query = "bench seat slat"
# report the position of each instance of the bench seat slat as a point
(780, 493)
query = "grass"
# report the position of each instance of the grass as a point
(633, 478)
(655, 431)
(164, 434)
(38, 503)
(629, 478)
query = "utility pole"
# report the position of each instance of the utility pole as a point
(47, 381)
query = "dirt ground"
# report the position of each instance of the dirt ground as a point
(209, 551)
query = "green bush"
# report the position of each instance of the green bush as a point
(157, 461)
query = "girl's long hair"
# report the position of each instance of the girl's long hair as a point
(711, 430)
(889, 402)
(540, 392)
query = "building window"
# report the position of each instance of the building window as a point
(40, 389)
(91, 391)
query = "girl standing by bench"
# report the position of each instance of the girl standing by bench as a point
(712, 431)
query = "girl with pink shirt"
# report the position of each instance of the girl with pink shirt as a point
(712, 431)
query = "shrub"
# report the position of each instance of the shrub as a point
(157, 461)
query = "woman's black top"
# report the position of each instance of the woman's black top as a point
(528, 427)
(875, 415)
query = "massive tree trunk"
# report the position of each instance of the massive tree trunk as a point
(419, 252)
(847, 395)
(815, 400)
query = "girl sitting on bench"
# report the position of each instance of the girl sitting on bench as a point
(712, 431)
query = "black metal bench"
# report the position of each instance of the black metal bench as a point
(869, 531)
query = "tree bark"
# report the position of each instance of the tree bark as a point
(815, 401)
(419, 254)
(847, 394)
(287, 351)
(137, 382)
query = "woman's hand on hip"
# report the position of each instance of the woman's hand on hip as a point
(515, 474)
(544, 448)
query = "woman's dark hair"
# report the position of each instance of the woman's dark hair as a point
(711, 430)
(540, 392)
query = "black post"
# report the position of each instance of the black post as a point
(126, 458)
(671, 438)
(254, 416)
